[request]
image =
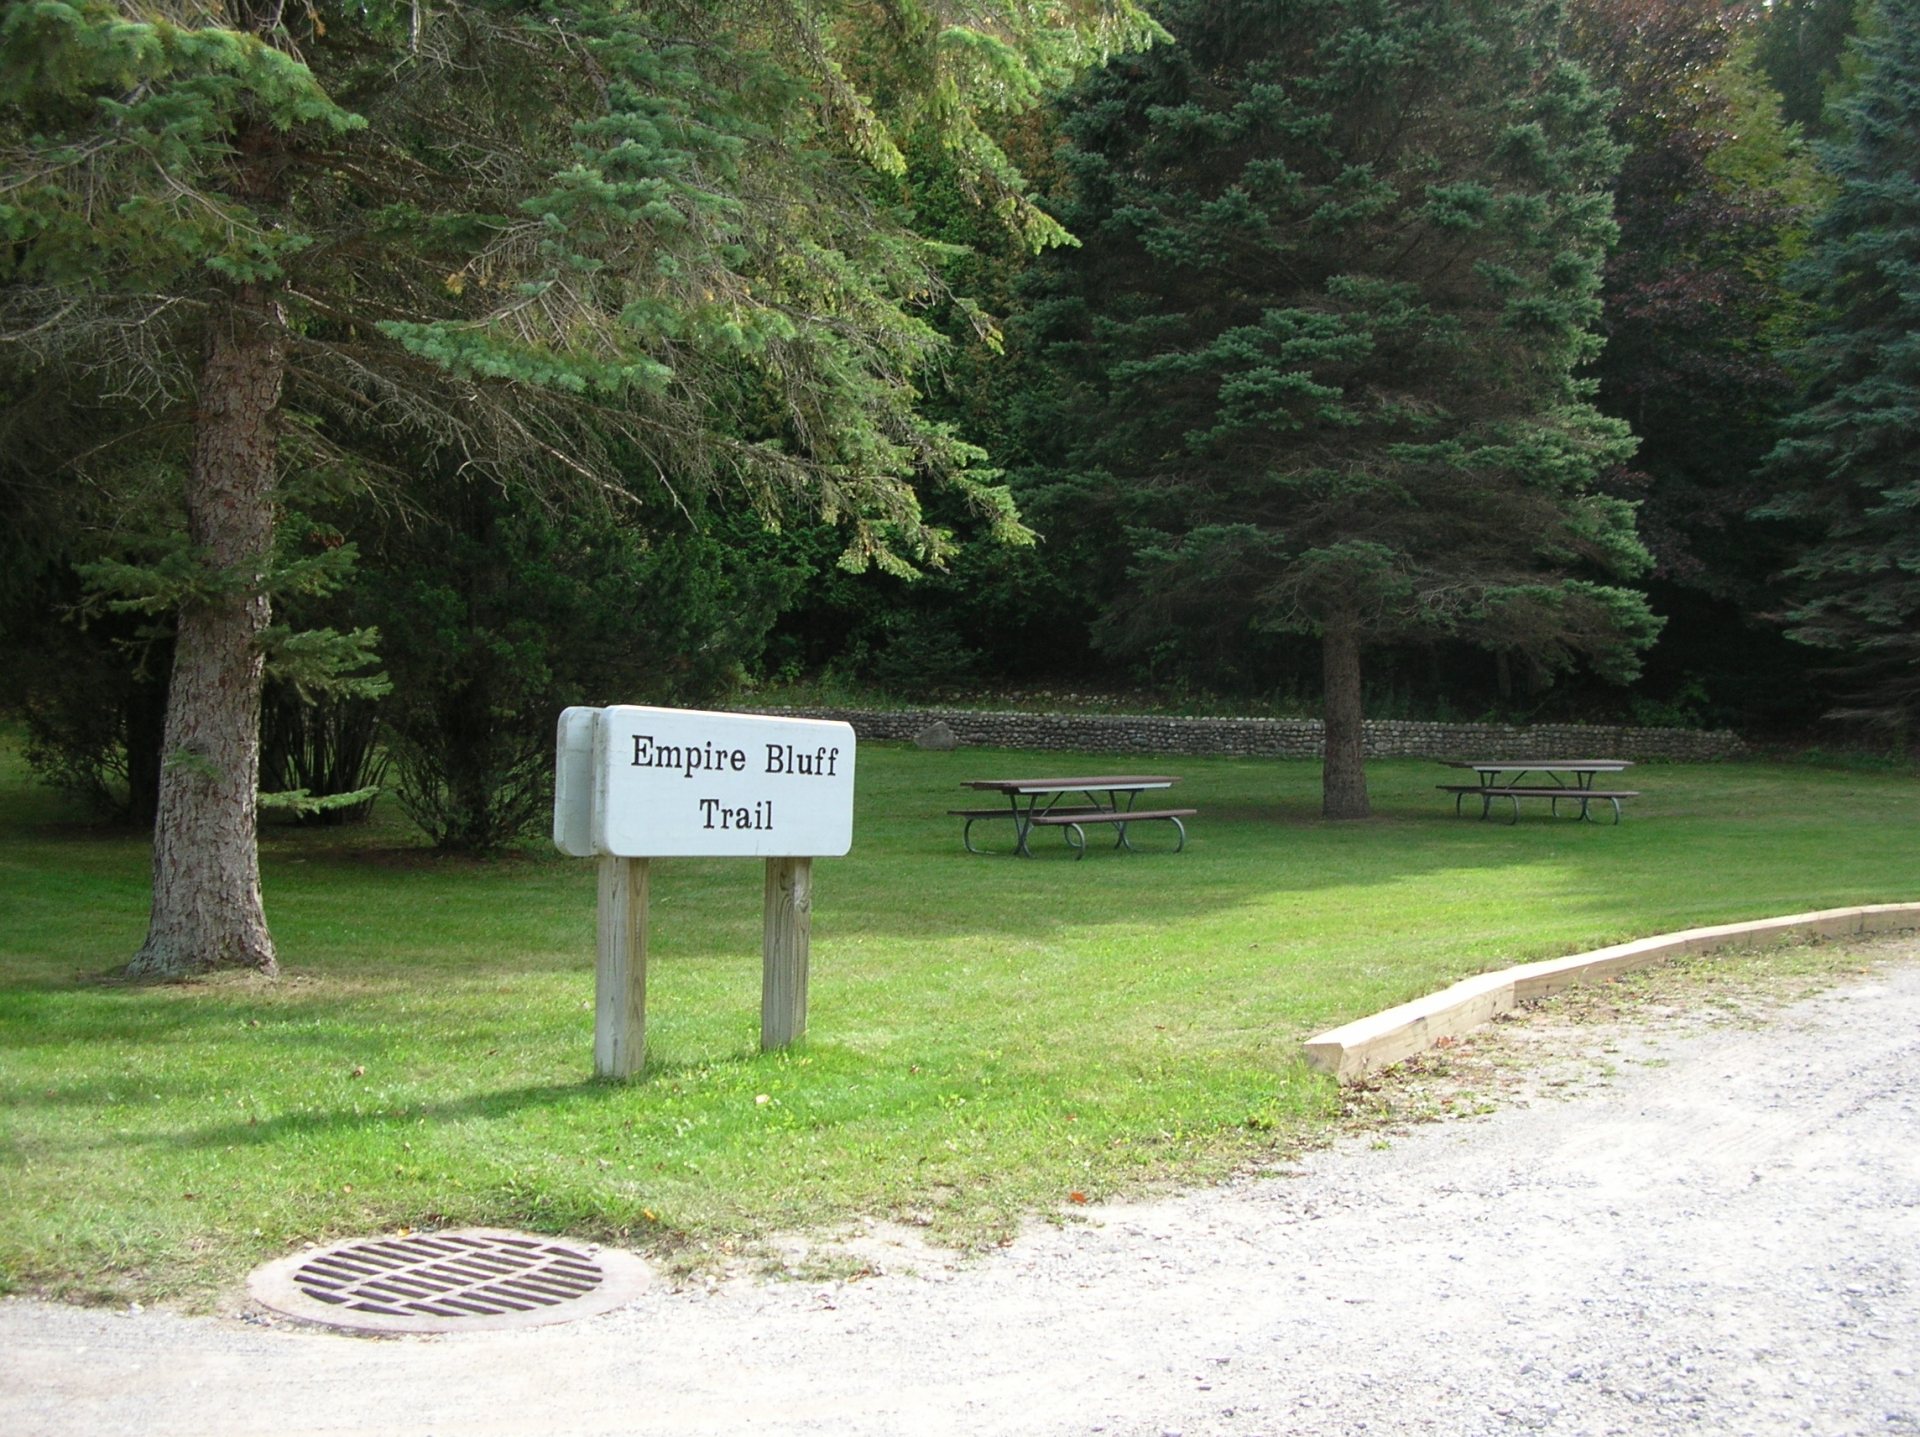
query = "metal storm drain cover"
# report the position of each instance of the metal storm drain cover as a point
(474, 1280)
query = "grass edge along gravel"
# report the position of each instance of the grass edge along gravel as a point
(990, 1040)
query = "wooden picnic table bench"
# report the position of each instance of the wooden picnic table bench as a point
(1556, 794)
(1076, 835)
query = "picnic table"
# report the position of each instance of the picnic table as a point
(1072, 805)
(1560, 780)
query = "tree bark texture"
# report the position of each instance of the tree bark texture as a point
(1343, 781)
(207, 910)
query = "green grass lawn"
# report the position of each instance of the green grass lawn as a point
(989, 1037)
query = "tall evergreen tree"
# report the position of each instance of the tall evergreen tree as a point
(1846, 469)
(1341, 261)
(538, 235)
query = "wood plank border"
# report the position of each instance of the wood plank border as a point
(1366, 1044)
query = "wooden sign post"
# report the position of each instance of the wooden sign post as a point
(632, 784)
(620, 968)
(785, 943)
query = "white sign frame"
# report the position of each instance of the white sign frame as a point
(641, 782)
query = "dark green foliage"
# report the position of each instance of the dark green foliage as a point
(92, 696)
(496, 612)
(325, 750)
(1804, 47)
(1709, 201)
(1312, 372)
(1846, 468)
(642, 223)
(90, 642)
(88, 682)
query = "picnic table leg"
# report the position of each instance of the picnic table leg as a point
(1179, 828)
(1583, 816)
(1022, 825)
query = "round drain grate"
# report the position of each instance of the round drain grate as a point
(448, 1282)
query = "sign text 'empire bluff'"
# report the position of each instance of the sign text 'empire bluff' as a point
(706, 757)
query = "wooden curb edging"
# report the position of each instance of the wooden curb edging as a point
(1369, 1043)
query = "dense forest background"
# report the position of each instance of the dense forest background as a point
(1720, 113)
(1559, 359)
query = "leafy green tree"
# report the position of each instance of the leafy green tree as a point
(539, 236)
(1712, 193)
(1845, 469)
(1341, 262)
(1803, 47)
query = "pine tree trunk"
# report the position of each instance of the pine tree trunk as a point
(1343, 780)
(207, 911)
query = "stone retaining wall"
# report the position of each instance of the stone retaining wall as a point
(1285, 738)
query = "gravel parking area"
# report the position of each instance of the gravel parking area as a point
(1681, 1218)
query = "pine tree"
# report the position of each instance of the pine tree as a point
(586, 237)
(1846, 470)
(1317, 356)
